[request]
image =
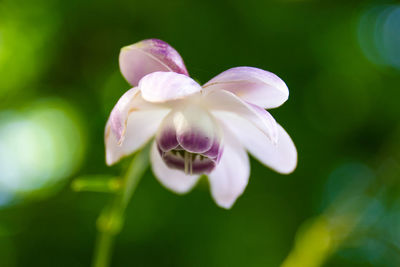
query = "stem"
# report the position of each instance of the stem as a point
(110, 221)
(104, 244)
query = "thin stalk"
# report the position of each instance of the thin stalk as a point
(103, 249)
(110, 221)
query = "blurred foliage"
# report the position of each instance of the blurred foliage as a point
(59, 79)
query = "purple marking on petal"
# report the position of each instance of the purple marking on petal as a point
(203, 166)
(173, 161)
(195, 141)
(119, 114)
(220, 152)
(116, 125)
(167, 54)
(214, 150)
(167, 140)
(148, 56)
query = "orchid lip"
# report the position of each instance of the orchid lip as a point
(195, 142)
(190, 163)
(215, 151)
(190, 140)
(167, 140)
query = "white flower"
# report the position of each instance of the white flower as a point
(198, 129)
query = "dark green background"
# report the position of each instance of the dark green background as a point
(342, 113)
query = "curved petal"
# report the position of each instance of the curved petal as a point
(221, 100)
(191, 127)
(230, 177)
(129, 102)
(253, 85)
(166, 134)
(177, 161)
(281, 157)
(172, 179)
(148, 56)
(166, 86)
(196, 129)
(141, 127)
(119, 114)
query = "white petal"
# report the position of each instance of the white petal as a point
(148, 56)
(230, 177)
(172, 179)
(221, 100)
(130, 102)
(281, 157)
(141, 127)
(253, 85)
(119, 114)
(167, 86)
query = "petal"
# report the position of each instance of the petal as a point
(253, 85)
(215, 150)
(141, 127)
(192, 128)
(177, 161)
(119, 114)
(129, 102)
(148, 56)
(221, 100)
(166, 134)
(172, 179)
(230, 177)
(281, 157)
(196, 129)
(167, 86)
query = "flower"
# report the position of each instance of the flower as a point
(198, 129)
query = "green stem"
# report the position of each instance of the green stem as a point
(103, 249)
(110, 221)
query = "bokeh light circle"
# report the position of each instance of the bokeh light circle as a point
(39, 147)
(379, 34)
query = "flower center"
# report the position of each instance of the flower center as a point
(189, 162)
(189, 139)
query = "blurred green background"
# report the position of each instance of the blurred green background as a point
(59, 79)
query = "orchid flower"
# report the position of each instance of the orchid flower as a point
(198, 130)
